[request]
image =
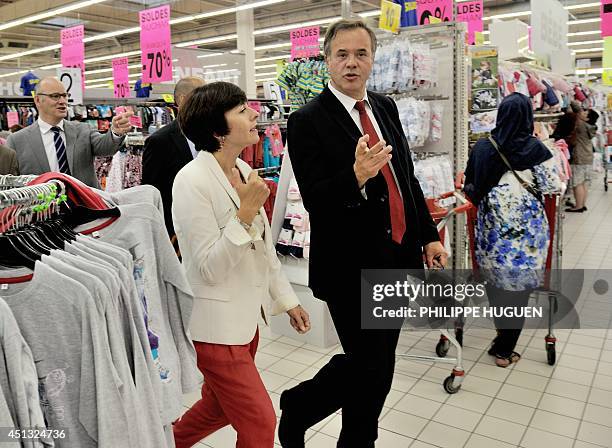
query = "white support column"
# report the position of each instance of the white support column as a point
(347, 10)
(245, 26)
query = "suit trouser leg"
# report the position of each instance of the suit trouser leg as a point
(357, 381)
(234, 393)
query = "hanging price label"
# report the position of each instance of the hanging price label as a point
(73, 49)
(389, 16)
(121, 84)
(155, 44)
(12, 118)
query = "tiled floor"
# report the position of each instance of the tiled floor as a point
(529, 405)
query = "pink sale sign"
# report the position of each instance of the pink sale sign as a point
(73, 49)
(155, 44)
(471, 13)
(121, 79)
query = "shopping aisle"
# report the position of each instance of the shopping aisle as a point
(529, 405)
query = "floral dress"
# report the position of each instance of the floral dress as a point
(512, 232)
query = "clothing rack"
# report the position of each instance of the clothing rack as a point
(30, 195)
(9, 181)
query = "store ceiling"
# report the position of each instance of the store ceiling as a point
(108, 16)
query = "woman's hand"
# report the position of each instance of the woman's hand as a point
(253, 195)
(299, 319)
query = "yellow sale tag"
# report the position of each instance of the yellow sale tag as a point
(33, 94)
(433, 19)
(607, 61)
(168, 97)
(478, 38)
(389, 16)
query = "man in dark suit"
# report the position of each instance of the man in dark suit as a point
(367, 210)
(167, 151)
(54, 144)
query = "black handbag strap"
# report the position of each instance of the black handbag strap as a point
(526, 185)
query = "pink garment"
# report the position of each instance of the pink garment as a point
(276, 139)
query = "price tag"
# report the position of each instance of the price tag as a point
(121, 80)
(389, 16)
(434, 11)
(155, 44)
(168, 97)
(136, 121)
(12, 118)
(73, 83)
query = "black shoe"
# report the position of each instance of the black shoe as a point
(291, 432)
(576, 210)
(570, 204)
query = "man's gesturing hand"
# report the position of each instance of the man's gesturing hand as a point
(369, 161)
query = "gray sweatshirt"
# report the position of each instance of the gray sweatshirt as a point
(167, 295)
(58, 319)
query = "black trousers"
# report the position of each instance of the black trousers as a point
(508, 329)
(357, 381)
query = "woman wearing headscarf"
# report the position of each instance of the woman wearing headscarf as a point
(512, 233)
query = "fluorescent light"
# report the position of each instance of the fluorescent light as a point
(214, 65)
(583, 33)
(508, 15)
(51, 67)
(99, 86)
(265, 74)
(258, 67)
(589, 71)
(20, 72)
(224, 11)
(589, 50)
(292, 26)
(104, 70)
(273, 58)
(134, 29)
(265, 79)
(208, 40)
(29, 52)
(112, 56)
(373, 13)
(272, 46)
(209, 55)
(583, 21)
(49, 13)
(586, 42)
(585, 6)
(110, 78)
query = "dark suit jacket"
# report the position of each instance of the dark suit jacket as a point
(8, 161)
(166, 152)
(82, 145)
(348, 232)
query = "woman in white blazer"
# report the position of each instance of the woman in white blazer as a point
(231, 264)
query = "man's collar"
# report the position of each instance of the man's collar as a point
(347, 101)
(46, 127)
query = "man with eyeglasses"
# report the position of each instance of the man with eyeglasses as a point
(53, 143)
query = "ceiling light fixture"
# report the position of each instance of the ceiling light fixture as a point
(259, 67)
(589, 50)
(273, 58)
(584, 21)
(585, 42)
(583, 33)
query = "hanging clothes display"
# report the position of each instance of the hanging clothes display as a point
(103, 314)
(303, 79)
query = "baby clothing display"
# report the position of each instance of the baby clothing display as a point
(421, 120)
(294, 237)
(303, 79)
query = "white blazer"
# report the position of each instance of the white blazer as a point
(233, 273)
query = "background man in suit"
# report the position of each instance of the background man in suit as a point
(56, 144)
(167, 151)
(367, 210)
(8, 161)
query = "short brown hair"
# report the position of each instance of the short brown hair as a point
(202, 117)
(343, 25)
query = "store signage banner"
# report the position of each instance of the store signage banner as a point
(121, 80)
(606, 18)
(434, 11)
(607, 61)
(548, 27)
(471, 13)
(305, 42)
(72, 53)
(72, 80)
(155, 44)
(12, 118)
(390, 16)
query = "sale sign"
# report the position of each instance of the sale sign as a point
(155, 44)
(390, 16)
(606, 18)
(434, 11)
(471, 13)
(73, 50)
(305, 42)
(12, 118)
(121, 80)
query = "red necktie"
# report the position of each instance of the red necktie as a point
(396, 204)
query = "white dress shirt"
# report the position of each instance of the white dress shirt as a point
(349, 105)
(47, 138)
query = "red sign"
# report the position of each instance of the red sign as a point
(155, 44)
(434, 11)
(606, 18)
(12, 118)
(305, 42)
(121, 80)
(471, 13)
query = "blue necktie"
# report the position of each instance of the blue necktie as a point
(60, 149)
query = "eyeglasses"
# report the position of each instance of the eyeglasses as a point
(55, 96)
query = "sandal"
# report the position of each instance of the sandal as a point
(505, 361)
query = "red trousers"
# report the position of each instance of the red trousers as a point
(234, 394)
